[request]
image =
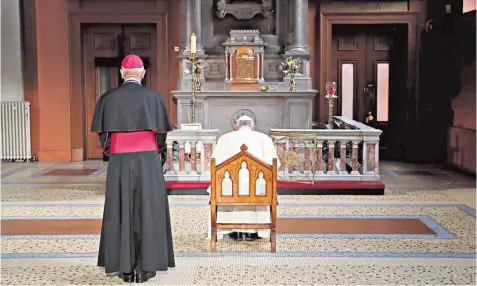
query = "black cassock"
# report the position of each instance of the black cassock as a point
(136, 229)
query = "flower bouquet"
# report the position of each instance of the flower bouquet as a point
(198, 68)
(291, 66)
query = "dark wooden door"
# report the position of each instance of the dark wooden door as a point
(104, 48)
(369, 66)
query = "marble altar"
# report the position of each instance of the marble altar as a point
(219, 109)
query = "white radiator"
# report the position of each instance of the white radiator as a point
(15, 132)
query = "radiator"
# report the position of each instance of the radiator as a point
(15, 131)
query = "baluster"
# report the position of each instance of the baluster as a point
(287, 148)
(308, 146)
(199, 150)
(170, 158)
(371, 157)
(331, 158)
(207, 153)
(343, 170)
(193, 155)
(319, 158)
(296, 149)
(181, 157)
(354, 158)
(281, 153)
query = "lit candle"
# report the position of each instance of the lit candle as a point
(193, 44)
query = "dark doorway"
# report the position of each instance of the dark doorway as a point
(105, 45)
(369, 64)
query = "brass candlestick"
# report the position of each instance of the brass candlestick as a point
(193, 59)
(330, 96)
(331, 101)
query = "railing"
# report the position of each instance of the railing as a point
(304, 153)
(350, 153)
(188, 154)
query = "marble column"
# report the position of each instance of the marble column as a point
(298, 26)
(192, 19)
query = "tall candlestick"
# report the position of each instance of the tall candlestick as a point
(193, 44)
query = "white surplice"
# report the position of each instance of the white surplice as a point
(260, 146)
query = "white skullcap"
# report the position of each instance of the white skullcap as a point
(244, 118)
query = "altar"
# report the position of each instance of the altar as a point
(270, 110)
(244, 80)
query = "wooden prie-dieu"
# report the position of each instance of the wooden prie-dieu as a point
(227, 190)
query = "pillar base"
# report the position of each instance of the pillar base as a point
(296, 49)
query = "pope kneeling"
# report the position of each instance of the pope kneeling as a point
(259, 145)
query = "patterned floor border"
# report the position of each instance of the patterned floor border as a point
(17, 170)
(466, 209)
(260, 254)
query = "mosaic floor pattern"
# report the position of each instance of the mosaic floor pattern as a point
(423, 233)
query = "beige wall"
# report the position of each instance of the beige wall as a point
(462, 140)
(11, 53)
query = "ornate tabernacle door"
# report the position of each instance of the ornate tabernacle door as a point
(244, 60)
(244, 71)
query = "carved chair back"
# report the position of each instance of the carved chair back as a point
(243, 180)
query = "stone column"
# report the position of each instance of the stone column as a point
(298, 18)
(12, 81)
(304, 21)
(192, 19)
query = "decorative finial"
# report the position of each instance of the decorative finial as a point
(244, 148)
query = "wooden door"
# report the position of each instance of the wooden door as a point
(104, 48)
(369, 66)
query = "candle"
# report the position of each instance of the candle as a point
(193, 44)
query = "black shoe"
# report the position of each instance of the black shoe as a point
(127, 277)
(237, 236)
(143, 277)
(252, 236)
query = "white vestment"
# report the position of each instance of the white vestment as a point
(260, 146)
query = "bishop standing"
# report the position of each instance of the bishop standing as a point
(132, 124)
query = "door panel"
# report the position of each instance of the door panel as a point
(366, 69)
(104, 48)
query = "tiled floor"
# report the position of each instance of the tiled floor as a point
(422, 231)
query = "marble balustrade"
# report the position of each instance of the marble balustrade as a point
(328, 154)
(188, 154)
(304, 153)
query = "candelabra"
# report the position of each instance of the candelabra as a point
(330, 96)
